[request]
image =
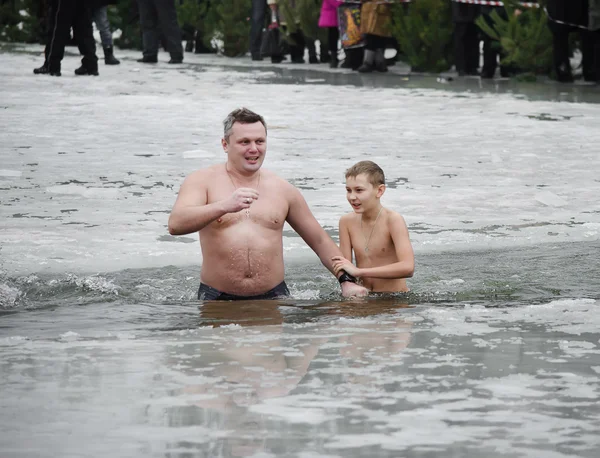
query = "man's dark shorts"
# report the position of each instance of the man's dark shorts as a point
(209, 293)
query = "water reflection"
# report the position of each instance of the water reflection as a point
(256, 370)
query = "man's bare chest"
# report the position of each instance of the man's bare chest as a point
(269, 210)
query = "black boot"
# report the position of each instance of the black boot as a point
(148, 60)
(45, 70)
(176, 59)
(85, 71)
(366, 68)
(563, 73)
(368, 64)
(109, 58)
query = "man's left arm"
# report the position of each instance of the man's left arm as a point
(306, 225)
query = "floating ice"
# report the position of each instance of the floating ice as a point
(550, 199)
(199, 153)
(10, 173)
(89, 193)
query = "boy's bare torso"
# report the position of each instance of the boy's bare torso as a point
(381, 252)
(243, 252)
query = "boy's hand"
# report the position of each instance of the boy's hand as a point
(341, 263)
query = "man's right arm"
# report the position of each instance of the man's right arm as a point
(190, 212)
(345, 240)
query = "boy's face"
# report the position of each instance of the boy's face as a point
(361, 194)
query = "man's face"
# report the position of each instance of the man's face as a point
(361, 194)
(246, 146)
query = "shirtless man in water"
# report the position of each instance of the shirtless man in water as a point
(239, 210)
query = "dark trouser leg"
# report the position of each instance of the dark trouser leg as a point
(560, 51)
(100, 17)
(188, 33)
(333, 35)
(84, 37)
(324, 54)
(149, 23)
(41, 20)
(60, 24)
(596, 66)
(370, 42)
(201, 47)
(373, 57)
(490, 50)
(259, 8)
(297, 49)
(472, 48)
(354, 57)
(167, 19)
(587, 55)
(466, 48)
(490, 57)
(50, 24)
(460, 58)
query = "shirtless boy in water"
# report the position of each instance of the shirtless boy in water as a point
(378, 236)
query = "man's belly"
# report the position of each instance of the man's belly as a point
(245, 259)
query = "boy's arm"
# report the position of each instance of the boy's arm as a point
(404, 252)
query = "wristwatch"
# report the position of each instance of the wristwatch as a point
(347, 277)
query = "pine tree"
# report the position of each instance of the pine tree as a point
(233, 26)
(525, 38)
(124, 20)
(200, 17)
(423, 29)
(15, 26)
(301, 15)
(308, 17)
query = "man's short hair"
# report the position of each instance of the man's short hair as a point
(373, 172)
(243, 116)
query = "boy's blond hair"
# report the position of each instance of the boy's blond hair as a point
(373, 172)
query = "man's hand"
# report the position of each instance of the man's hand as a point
(242, 198)
(350, 289)
(341, 263)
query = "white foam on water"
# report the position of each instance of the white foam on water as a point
(90, 193)
(565, 315)
(10, 173)
(316, 455)
(70, 336)
(13, 340)
(9, 296)
(199, 153)
(299, 409)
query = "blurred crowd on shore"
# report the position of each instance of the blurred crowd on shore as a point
(354, 35)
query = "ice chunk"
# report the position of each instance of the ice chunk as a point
(550, 199)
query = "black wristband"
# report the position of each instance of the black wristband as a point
(347, 277)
